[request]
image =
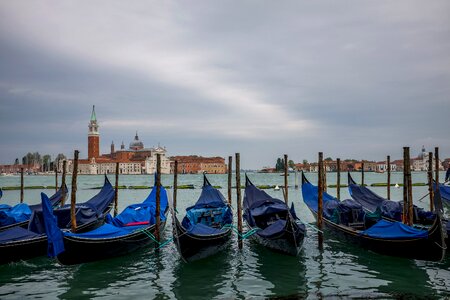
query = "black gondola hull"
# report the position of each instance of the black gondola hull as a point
(34, 247)
(196, 247)
(82, 250)
(431, 248)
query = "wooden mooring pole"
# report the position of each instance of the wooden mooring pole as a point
(286, 195)
(116, 196)
(338, 178)
(436, 165)
(21, 185)
(388, 177)
(320, 201)
(430, 179)
(405, 187)
(238, 199)
(158, 200)
(56, 179)
(362, 173)
(230, 174)
(73, 198)
(175, 186)
(410, 197)
(63, 183)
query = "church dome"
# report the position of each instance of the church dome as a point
(136, 144)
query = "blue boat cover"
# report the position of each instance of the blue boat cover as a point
(273, 229)
(22, 212)
(16, 234)
(390, 209)
(107, 231)
(444, 190)
(86, 212)
(202, 229)
(1, 193)
(310, 196)
(16, 214)
(209, 214)
(55, 243)
(394, 230)
(145, 211)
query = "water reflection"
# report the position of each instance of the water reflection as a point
(286, 274)
(202, 279)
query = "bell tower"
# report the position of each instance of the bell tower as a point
(93, 137)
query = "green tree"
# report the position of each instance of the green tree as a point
(328, 159)
(16, 162)
(305, 162)
(46, 160)
(291, 164)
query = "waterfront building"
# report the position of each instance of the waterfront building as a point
(194, 164)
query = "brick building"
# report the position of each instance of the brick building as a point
(194, 164)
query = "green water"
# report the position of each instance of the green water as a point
(339, 271)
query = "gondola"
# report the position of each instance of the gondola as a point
(19, 243)
(132, 229)
(445, 193)
(347, 219)
(20, 214)
(274, 224)
(389, 209)
(207, 226)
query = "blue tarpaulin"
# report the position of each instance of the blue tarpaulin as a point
(394, 230)
(210, 213)
(16, 214)
(16, 234)
(106, 231)
(54, 234)
(273, 229)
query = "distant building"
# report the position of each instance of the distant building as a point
(194, 164)
(135, 160)
(420, 163)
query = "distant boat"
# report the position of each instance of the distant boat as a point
(276, 188)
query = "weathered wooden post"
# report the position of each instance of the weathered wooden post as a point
(63, 183)
(116, 196)
(410, 197)
(320, 200)
(338, 180)
(73, 199)
(21, 185)
(362, 173)
(175, 185)
(286, 179)
(430, 179)
(405, 188)
(436, 165)
(388, 177)
(56, 180)
(324, 176)
(238, 199)
(230, 170)
(158, 200)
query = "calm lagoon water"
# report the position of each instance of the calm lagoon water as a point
(339, 271)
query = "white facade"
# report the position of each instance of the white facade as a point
(150, 162)
(382, 167)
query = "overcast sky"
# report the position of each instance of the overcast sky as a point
(354, 79)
